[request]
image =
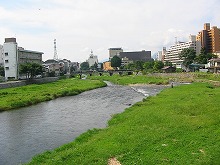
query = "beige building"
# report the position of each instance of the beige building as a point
(107, 66)
(209, 38)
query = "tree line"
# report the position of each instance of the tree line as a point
(189, 56)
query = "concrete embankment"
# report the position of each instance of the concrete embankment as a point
(12, 84)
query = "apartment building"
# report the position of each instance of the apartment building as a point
(172, 54)
(13, 56)
(210, 38)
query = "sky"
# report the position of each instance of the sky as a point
(80, 26)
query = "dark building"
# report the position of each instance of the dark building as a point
(136, 56)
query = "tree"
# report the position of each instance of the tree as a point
(2, 71)
(158, 65)
(30, 69)
(116, 61)
(95, 66)
(203, 57)
(139, 65)
(130, 66)
(148, 65)
(187, 55)
(168, 63)
(84, 66)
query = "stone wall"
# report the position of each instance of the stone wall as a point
(12, 84)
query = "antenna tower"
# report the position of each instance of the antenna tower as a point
(55, 57)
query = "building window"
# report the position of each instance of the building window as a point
(6, 54)
(6, 61)
(6, 68)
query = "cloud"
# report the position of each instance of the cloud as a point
(82, 25)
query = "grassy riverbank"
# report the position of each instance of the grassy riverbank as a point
(178, 126)
(132, 79)
(12, 98)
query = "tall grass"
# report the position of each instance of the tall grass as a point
(12, 98)
(178, 126)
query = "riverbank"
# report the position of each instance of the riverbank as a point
(12, 98)
(178, 126)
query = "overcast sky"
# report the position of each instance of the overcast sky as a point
(82, 25)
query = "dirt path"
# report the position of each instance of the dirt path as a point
(113, 161)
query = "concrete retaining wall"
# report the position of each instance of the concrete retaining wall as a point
(12, 84)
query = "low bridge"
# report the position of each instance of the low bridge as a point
(100, 73)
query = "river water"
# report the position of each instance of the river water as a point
(28, 131)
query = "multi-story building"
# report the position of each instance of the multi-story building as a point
(125, 61)
(52, 66)
(172, 54)
(25, 56)
(92, 59)
(209, 38)
(136, 56)
(161, 54)
(114, 52)
(1, 56)
(13, 56)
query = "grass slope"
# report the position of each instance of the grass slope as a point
(32, 94)
(178, 126)
(132, 79)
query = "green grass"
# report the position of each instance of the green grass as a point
(12, 98)
(181, 125)
(132, 79)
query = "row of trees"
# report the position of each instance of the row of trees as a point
(138, 65)
(30, 69)
(189, 56)
(85, 66)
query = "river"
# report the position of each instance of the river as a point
(28, 131)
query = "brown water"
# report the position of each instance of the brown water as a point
(29, 131)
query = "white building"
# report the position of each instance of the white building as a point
(172, 54)
(10, 58)
(92, 59)
(1, 56)
(13, 56)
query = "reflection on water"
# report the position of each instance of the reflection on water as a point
(32, 130)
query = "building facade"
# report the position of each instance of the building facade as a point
(25, 56)
(13, 56)
(92, 59)
(172, 54)
(210, 38)
(114, 52)
(10, 58)
(107, 66)
(1, 56)
(136, 56)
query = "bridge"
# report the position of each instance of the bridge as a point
(101, 72)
